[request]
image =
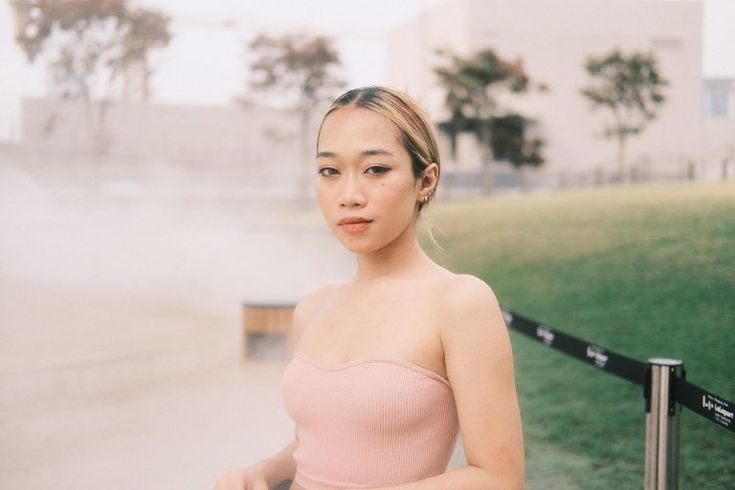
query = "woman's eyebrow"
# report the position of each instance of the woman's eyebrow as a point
(364, 153)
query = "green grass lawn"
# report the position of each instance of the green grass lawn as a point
(643, 270)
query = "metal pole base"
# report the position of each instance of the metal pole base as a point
(662, 425)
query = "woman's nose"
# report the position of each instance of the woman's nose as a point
(351, 191)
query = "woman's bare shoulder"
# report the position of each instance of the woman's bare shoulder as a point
(469, 281)
(308, 304)
(461, 289)
(453, 281)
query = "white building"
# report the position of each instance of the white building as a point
(719, 125)
(554, 38)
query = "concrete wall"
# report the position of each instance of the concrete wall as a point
(216, 135)
(255, 151)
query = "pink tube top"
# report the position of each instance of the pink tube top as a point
(368, 423)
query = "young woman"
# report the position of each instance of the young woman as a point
(390, 366)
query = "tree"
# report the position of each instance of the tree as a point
(472, 87)
(89, 45)
(512, 142)
(299, 69)
(630, 88)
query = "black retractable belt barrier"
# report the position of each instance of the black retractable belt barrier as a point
(708, 405)
(664, 384)
(599, 357)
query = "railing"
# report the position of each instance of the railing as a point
(664, 388)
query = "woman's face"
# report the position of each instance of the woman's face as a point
(364, 171)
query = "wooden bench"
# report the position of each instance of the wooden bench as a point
(267, 329)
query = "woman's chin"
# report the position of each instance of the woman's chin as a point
(357, 250)
(359, 247)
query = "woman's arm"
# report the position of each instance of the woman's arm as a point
(479, 363)
(281, 466)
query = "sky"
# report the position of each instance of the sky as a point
(357, 26)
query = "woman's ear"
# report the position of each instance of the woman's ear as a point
(431, 173)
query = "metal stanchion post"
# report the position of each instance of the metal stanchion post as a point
(662, 425)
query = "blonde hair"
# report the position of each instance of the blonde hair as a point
(417, 131)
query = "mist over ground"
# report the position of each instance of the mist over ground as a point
(121, 289)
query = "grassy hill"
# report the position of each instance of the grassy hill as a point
(643, 270)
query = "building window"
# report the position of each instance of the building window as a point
(718, 103)
(720, 97)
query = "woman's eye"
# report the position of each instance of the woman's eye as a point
(382, 169)
(325, 168)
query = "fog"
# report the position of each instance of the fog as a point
(121, 296)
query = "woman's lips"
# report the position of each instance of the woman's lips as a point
(355, 227)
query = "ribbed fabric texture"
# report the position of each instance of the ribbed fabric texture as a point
(368, 423)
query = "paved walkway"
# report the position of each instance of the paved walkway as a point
(121, 346)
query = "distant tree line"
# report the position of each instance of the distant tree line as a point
(90, 45)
